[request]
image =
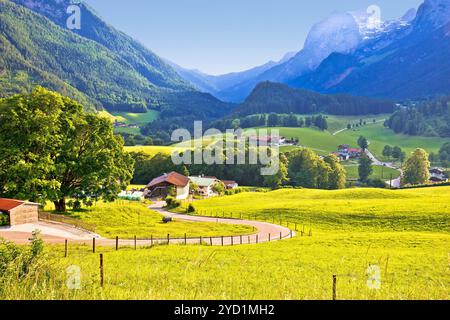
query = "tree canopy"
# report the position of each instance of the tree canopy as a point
(51, 149)
(417, 168)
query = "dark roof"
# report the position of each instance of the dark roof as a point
(9, 204)
(172, 178)
(228, 182)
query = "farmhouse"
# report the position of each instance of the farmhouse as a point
(230, 185)
(205, 185)
(163, 185)
(346, 153)
(438, 175)
(19, 212)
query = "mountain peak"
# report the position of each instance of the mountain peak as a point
(433, 14)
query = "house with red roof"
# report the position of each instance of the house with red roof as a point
(166, 184)
(19, 212)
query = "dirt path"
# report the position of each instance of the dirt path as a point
(57, 233)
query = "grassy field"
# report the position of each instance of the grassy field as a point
(136, 118)
(336, 123)
(350, 209)
(379, 172)
(323, 142)
(152, 150)
(404, 234)
(127, 219)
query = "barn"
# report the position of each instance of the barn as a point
(160, 187)
(19, 212)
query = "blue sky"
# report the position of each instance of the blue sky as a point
(220, 36)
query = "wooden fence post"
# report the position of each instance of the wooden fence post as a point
(257, 239)
(66, 250)
(101, 270)
(117, 243)
(201, 240)
(168, 238)
(185, 239)
(135, 242)
(151, 240)
(334, 287)
(210, 241)
(291, 234)
(281, 236)
(222, 241)
(232, 241)
(248, 239)
(93, 245)
(269, 237)
(241, 238)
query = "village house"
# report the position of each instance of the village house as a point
(163, 185)
(438, 175)
(345, 153)
(19, 212)
(205, 185)
(230, 185)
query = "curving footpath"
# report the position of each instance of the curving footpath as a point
(56, 233)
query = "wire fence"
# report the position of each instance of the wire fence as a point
(45, 216)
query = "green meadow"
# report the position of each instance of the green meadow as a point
(136, 118)
(404, 234)
(323, 142)
(379, 172)
(127, 219)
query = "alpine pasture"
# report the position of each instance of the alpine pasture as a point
(404, 234)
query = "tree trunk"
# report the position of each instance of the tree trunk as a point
(60, 205)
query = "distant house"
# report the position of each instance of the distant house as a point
(160, 187)
(268, 140)
(19, 212)
(205, 185)
(229, 184)
(346, 153)
(438, 175)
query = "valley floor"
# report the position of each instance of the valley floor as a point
(399, 240)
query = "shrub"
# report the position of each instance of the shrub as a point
(176, 204)
(190, 208)
(169, 201)
(376, 183)
(23, 267)
(4, 220)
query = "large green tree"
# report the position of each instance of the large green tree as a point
(51, 150)
(417, 168)
(281, 177)
(337, 176)
(307, 169)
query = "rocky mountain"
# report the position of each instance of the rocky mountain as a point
(341, 32)
(405, 61)
(96, 64)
